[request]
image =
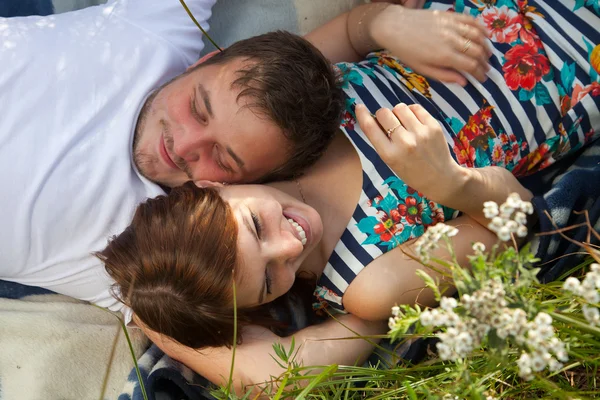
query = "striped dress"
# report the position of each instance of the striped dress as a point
(541, 102)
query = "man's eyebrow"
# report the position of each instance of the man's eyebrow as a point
(235, 157)
(205, 99)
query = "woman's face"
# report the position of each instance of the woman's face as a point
(276, 233)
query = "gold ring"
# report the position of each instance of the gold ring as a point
(467, 45)
(389, 132)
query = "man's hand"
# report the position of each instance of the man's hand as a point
(439, 45)
(411, 142)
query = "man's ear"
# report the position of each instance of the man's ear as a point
(202, 59)
(204, 183)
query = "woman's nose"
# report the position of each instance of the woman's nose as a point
(286, 248)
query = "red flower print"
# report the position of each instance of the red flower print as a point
(503, 138)
(503, 24)
(465, 153)
(524, 67)
(395, 216)
(527, 34)
(532, 162)
(588, 135)
(410, 190)
(497, 154)
(376, 200)
(580, 92)
(524, 146)
(515, 148)
(348, 120)
(565, 105)
(379, 228)
(411, 210)
(508, 156)
(385, 237)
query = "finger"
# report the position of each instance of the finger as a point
(443, 74)
(471, 49)
(388, 120)
(469, 65)
(474, 34)
(467, 19)
(371, 128)
(423, 115)
(407, 118)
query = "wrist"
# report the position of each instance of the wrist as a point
(386, 25)
(460, 189)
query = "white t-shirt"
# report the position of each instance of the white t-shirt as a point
(71, 87)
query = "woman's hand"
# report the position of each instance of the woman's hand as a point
(439, 45)
(411, 142)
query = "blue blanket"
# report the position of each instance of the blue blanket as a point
(566, 194)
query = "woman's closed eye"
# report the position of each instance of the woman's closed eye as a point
(257, 225)
(268, 280)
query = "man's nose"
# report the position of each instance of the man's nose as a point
(188, 145)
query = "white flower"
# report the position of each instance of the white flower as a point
(490, 209)
(504, 234)
(524, 361)
(537, 363)
(448, 303)
(543, 319)
(506, 210)
(591, 314)
(572, 285)
(395, 311)
(426, 318)
(522, 231)
(527, 207)
(595, 267)
(554, 365)
(478, 247)
(392, 323)
(591, 296)
(512, 225)
(520, 217)
(497, 222)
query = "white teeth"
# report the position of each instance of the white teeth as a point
(299, 229)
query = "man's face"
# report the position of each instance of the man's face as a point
(194, 128)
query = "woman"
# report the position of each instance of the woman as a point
(539, 102)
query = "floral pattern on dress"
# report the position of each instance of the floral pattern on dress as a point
(401, 215)
(324, 295)
(411, 79)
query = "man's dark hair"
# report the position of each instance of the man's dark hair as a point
(291, 83)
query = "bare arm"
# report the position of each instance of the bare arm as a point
(394, 273)
(348, 37)
(440, 45)
(253, 361)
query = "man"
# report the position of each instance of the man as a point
(85, 135)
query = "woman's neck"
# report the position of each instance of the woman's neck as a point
(332, 187)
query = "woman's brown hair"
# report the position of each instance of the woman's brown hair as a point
(173, 266)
